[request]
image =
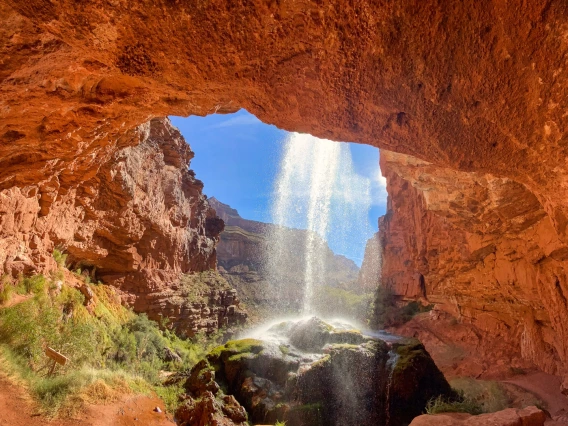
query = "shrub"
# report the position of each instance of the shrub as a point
(461, 405)
(489, 395)
(35, 284)
(386, 311)
(59, 257)
(107, 349)
(6, 290)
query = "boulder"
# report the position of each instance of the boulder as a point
(337, 377)
(530, 416)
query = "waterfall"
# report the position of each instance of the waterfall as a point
(317, 190)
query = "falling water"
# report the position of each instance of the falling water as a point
(318, 190)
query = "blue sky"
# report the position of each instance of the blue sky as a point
(237, 157)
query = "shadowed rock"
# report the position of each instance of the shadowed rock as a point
(334, 377)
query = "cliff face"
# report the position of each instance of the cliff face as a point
(138, 224)
(481, 248)
(243, 259)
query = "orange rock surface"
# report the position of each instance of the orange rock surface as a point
(477, 91)
(530, 416)
(481, 248)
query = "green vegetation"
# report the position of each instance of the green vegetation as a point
(111, 349)
(60, 258)
(489, 395)
(336, 302)
(235, 347)
(460, 405)
(386, 311)
(6, 290)
(480, 396)
(197, 286)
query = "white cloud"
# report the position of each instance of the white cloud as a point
(379, 189)
(240, 120)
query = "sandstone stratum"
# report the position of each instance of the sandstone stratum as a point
(466, 100)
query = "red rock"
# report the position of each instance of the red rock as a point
(481, 248)
(138, 223)
(477, 89)
(530, 416)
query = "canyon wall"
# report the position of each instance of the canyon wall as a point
(474, 94)
(481, 248)
(138, 224)
(243, 255)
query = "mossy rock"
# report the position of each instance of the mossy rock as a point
(234, 347)
(313, 334)
(415, 380)
(348, 382)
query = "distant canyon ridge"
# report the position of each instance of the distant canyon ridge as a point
(275, 286)
(468, 105)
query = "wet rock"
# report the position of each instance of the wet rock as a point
(208, 410)
(313, 334)
(368, 382)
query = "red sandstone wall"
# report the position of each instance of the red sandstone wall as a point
(481, 248)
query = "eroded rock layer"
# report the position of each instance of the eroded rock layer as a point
(139, 223)
(481, 248)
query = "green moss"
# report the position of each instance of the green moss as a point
(322, 362)
(347, 346)
(284, 349)
(408, 353)
(241, 356)
(243, 345)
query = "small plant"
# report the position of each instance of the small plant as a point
(460, 405)
(279, 423)
(59, 257)
(35, 284)
(489, 395)
(6, 290)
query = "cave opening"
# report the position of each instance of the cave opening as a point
(298, 213)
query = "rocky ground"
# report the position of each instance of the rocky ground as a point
(461, 350)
